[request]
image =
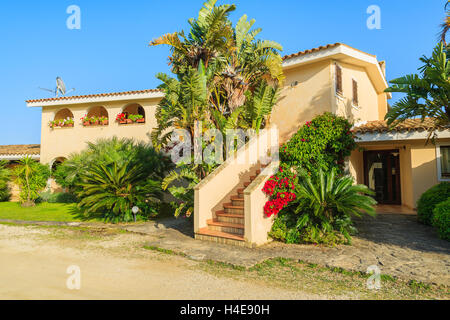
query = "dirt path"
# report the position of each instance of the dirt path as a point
(34, 261)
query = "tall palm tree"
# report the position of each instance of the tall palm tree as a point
(445, 26)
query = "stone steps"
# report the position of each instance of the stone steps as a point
(229, 225)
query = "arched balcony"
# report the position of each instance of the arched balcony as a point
(132, 113)
(96, 116)
(63, 118)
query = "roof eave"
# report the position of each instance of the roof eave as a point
(94, 99)
(344, 53)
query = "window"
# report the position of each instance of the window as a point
(338, 80)
(355, 93)
(443, 159)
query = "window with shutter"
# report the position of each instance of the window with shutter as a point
(355, 93)
(338, 80)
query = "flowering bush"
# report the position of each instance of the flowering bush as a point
(281, 190)
(322, 143)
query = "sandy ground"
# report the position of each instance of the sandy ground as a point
(34, 262)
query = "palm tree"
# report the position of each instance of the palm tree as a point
(427, 94)
(327, 202)
(445, 26)
(24, 172)
(113, 189)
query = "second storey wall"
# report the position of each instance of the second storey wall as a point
(61, 142)
(306, 94)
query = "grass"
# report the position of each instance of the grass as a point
(333, 282)
(58, 212)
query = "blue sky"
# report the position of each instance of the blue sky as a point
(110, 52)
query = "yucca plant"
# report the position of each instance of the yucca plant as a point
(327, 202)
(113, 189)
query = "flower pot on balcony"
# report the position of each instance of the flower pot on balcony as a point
(140, 120)
(124, 121)
(70, 125)
(105, 122)
(129, 121)
(86, 124)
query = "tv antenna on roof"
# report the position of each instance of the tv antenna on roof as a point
(60, 88)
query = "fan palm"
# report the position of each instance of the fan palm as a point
(113, 189)
(327, 202)
(427, 94)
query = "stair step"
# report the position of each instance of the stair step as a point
(225, 224)
(231, 206)
(241, 191)
(222, 213)
(236, 198)
(246, 184)
(219, 234)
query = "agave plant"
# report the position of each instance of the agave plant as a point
(327, 202)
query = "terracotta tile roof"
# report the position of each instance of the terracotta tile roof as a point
(408, 125)
(24, 149)
(328, 46)
(95, 95)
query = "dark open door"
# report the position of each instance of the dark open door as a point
(382, 175)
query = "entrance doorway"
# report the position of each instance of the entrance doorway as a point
(382, 175)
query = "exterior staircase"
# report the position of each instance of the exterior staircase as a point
(228, 226)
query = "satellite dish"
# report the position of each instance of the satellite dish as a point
(60, 88)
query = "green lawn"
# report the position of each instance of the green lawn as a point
(42, 212)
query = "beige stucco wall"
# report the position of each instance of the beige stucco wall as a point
(302, 102)
(61, 142)
(368, 108)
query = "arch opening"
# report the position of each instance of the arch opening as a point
(132, 113)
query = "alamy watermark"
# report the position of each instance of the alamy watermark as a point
(74, 280)
(213, 147)
(374, 281)
(73, 22)
(374, 20)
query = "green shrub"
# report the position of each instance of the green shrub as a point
(322, 143)
(113, 175)
(441, 219)
(5, 174)
(430, 199)
(63, 197)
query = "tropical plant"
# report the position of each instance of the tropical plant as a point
(323, 208)
(220, 69)
(106, 151)
(87, 173)
(430, 199)
(5, 176)
(113, 189)
(180, 183)
(427, 94)
(31, 177)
